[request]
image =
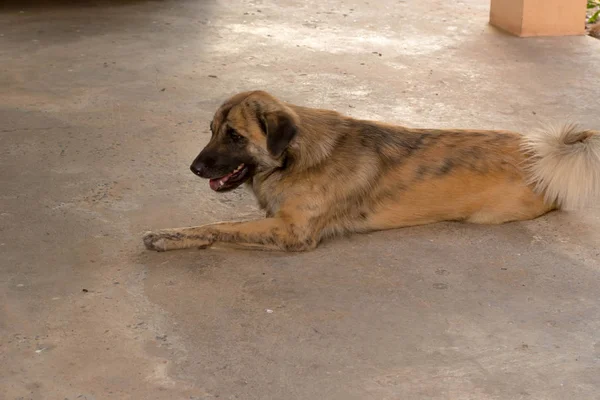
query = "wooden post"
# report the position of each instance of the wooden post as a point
(539, 17)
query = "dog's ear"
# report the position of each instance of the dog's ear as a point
(280, 129)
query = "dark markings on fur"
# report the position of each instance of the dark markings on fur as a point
(224, 115)
(472, 153)
(258, 114)
(391, 145)
(208, 237)
(465, 151)
(446, 167)
(422, 172)
(173, 236)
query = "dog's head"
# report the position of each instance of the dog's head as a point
(250, 133)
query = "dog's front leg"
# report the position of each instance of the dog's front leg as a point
(266, 234)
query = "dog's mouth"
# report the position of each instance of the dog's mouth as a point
(231, 180)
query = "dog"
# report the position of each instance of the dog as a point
(318, 174)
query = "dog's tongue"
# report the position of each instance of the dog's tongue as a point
(215, 184)
(218, 183)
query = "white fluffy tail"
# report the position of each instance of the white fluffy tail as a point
(564, 165)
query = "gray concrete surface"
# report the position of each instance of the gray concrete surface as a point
(104, 105)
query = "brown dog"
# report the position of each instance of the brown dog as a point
(319, 174)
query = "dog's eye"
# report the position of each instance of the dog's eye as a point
(234, 135)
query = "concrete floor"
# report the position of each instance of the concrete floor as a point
(102, 109)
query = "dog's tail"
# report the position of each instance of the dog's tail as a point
(564, 165)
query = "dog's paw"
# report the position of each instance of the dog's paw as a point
(155, 241)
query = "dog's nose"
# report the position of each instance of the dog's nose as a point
(196, 169)
(203, 164)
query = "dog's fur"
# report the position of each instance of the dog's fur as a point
(319, 174)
